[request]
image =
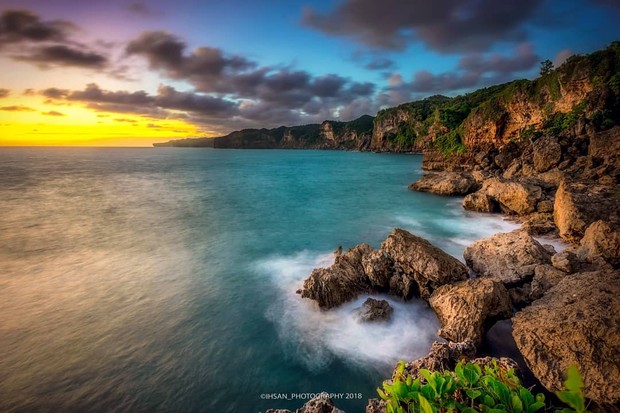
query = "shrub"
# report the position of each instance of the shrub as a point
(469, 389)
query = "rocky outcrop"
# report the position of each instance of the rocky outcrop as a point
(320, 404)
(375, 310)
(405, 266)
(341, 282)
(576, 322)
(418, 260)
(545, 277)
(480, 202)
(601, 240)
(507, 257)
(446, 183)
(577, 205)
(547, 153)
(465, 309)
(511, 197)
(565, 261)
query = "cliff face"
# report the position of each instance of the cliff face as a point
(581, 95)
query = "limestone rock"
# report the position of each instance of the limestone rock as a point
(507, 257)
(601, 239)
(442, 356)
(320, 404)
(375, 310)
(445, 183)
(418, 259)
(547, 153)
(480, 202)
(576, 322)
(341, 282)
(579, 205)
(379, 268)
(376, 406)
(545, 277)
(465, 308)
(538, 224)
(565, 261)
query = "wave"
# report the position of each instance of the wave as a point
(317, 337)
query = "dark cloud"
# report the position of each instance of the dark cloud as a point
(62, 55)
(4, 93)
(92, 93)
(380, 63)
(52, 93)
(169, 98)
(140, 8)
(53, 113)
(17, 108)
(23, 25)
(443, 25)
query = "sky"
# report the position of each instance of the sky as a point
(131, 73)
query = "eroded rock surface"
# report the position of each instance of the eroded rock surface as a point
(446, 183)
(375, 310)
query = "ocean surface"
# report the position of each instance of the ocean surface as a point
(145, 280)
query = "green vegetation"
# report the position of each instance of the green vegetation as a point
(469, 389)
(546, 66)
(361, 125)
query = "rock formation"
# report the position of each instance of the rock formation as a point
(375, 310)
(449, 183)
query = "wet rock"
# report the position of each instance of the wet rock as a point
(508, 257)
(601, 239)
(445, 183)
(375, 310)
(547, 153)
(341, 282)
(418, 260)
(576, 322)
(467, 307)
(578, 205)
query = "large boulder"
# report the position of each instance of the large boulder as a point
(545, 278)
(547, 153)
(512, 197)
(446, 183)
(379, 268)
(341, 282)
(466, 308)
(577, 322)
(578, 205)
(442, 356)
(507, 257)
(480, 202)
(601, 239)
(375, 310)
(417, 259)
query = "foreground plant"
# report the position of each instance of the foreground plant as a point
(469, 389)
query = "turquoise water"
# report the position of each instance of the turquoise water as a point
(164, 279)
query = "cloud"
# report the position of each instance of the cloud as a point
(17, 108)
(140, 8)
(61, 55)
(562, 56)
(379, 63)
(53, 113)
(4, 93)
(442, 25)
(23, 25)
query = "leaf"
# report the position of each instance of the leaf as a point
(472, 393)
(517, 405)
(573, 382)
(428, 392)
(381, 394)
(471, 373)
(458, 370)
(425, 406)
(488, 400)
(535, 407)
(526, 397)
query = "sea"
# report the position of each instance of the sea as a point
(164, 279)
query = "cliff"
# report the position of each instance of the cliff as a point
(582, 94)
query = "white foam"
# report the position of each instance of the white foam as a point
(317, 337)
(558, 243)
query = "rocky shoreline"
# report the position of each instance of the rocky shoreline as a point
(563, 305)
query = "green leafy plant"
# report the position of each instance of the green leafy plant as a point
(473, 389)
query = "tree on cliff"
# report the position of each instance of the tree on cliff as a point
(546, 66)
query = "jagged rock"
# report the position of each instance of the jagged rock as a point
(505, 363)
(601, 239)
(576, 322)
(507, 257)
(579, 205)
(442, 356)
(507, 153)
(538, 224)
(545, 277)
(379, 268)
(445, 183)
(480, 202)
(512, 197)
(375, 310)
(375, 406)
(521, 296)
(341, 282)
(545, 206)
(321, 404)
(465, 308)
(547, 153)
(417, 259)
(565, 261)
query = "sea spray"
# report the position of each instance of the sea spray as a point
(316, 337)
